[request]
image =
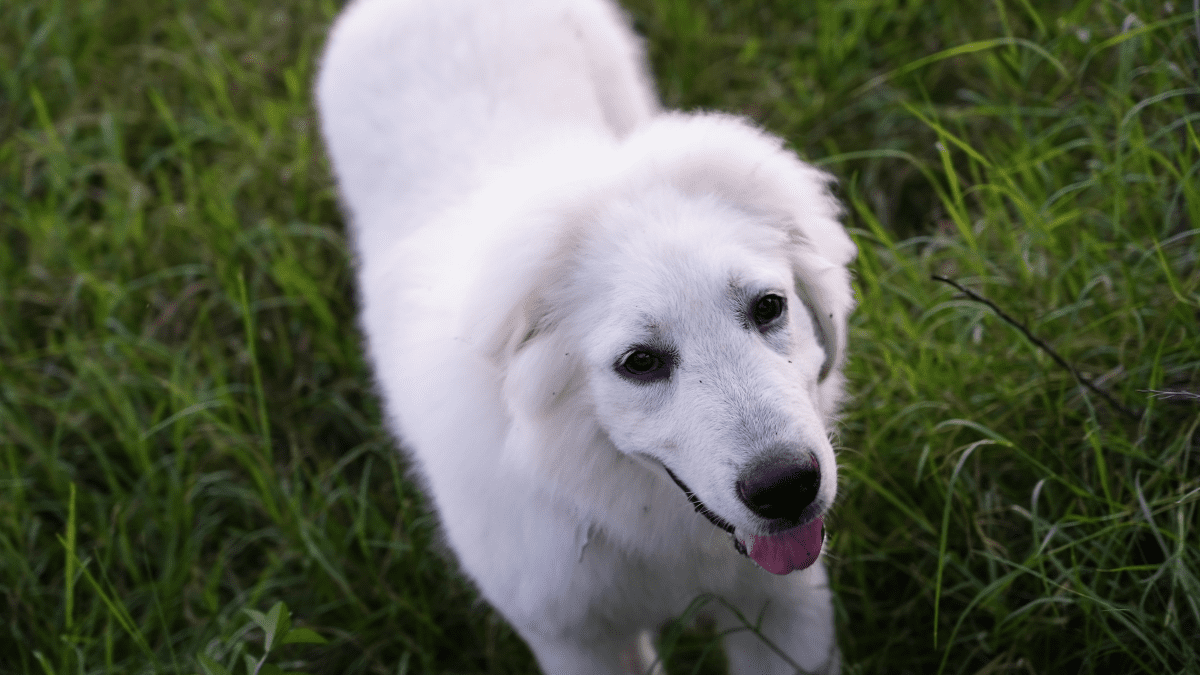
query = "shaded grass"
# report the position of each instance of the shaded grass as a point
(188, 428)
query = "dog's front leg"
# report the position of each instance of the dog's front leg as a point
(570, 655)
(796, 617)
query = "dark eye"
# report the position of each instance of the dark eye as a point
(767, 309)
(645, 366)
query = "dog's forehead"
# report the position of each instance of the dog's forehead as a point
(682, 281)
(664, 241)
(669, 263)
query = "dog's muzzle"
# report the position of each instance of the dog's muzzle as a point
(782, 488)
(706, 512)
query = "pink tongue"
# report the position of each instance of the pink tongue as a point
(788, 551)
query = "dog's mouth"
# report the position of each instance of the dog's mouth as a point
(780, 553)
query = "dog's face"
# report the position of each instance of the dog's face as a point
(704, 355)
(691, 309)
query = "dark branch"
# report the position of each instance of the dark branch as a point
(1117, 405)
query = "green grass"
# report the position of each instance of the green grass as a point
(188, 429)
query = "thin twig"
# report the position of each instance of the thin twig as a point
(1120, 407)
(1172, 395)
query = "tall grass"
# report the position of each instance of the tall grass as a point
(188, 429)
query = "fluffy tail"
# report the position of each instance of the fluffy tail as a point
(418, 97)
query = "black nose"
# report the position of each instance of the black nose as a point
(780, 486)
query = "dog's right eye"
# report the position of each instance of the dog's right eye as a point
(645, 366)
(767, 309)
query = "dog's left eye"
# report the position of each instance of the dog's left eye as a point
(767, 309)
(645, 366)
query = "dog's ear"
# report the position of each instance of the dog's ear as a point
(825, 289)
(545, 393)
(820, 254)
(515, 327)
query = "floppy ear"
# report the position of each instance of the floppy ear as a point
(821, 252)
(545, 394)
(825, 289)
(515, 326)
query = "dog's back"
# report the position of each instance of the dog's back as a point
(416, 96)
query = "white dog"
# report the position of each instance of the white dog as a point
(610, 336)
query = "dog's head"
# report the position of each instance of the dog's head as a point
(691, 309)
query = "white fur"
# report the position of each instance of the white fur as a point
(524, 215)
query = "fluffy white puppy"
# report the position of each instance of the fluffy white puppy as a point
(611, 337)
